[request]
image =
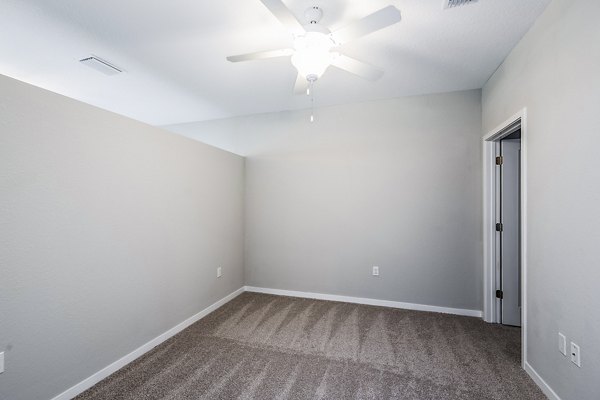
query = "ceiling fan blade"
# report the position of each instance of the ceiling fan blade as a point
(378, 20)
(301, 85)
(356, 67)
(260, 55)
(284, 15)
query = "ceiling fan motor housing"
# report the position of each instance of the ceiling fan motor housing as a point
(313, 15)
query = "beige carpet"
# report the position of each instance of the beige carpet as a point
(271, 347)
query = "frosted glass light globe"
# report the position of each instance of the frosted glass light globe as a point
(312, 56)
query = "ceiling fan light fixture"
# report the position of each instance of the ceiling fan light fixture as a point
(313, 43)
(312, 55)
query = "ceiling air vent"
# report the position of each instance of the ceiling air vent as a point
(456, 3)
(101, 65)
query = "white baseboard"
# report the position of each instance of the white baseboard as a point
(551, 394)
(371, 302)
(123, 361)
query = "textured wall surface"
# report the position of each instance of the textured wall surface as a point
(393, 183)
(554, 73)
(110, 234)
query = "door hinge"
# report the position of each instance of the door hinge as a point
(499, 294)
(499, 160)
(499, 227)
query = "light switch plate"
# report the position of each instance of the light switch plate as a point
(562, 344)
(1, 362)
(375, 271)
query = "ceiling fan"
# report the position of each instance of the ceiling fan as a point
(315, 47)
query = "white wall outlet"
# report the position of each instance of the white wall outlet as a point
(375, 270)
(575, 355)
(562, 344)
(1, 362)
(219, 272)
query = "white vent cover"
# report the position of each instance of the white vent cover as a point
(456, 3)
(101, 65)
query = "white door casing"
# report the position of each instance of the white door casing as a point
(490, 313)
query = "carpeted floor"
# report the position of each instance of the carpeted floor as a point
(271, 347)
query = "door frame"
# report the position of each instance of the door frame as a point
(490, 313)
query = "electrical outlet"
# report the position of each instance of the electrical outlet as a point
(375, 271)
(1, 362)
(219, 272)
(562, 344)
(575, 355)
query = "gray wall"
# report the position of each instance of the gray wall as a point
(554, 73)
(393, 183)
(110, 234)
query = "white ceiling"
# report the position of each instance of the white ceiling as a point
(174, 52)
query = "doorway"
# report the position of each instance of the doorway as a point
(505, 225)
